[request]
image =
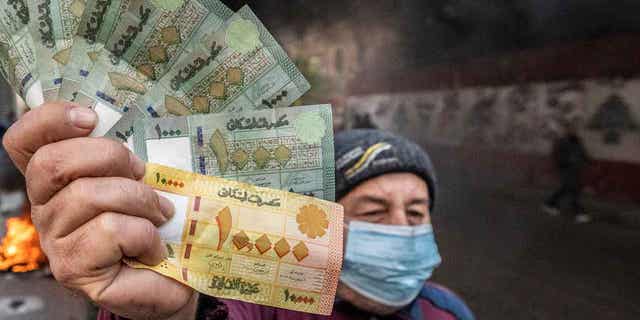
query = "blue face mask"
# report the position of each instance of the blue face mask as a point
(389, 264)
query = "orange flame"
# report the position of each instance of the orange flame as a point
(20, 249)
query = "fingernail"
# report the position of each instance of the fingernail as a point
(138, 166)
(167, 207)
(83, 117)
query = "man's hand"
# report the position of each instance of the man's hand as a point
(91, 211)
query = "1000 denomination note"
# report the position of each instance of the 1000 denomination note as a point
(289, 149)
(147, 38)
(240, 67)
(55, 23)
(18, 53)
(237, 241)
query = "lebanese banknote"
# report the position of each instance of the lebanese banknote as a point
(17, 52)
(286, 148)
(147, 37)
(238, 241)
(54, 24)
(95, 27)
(240, 67)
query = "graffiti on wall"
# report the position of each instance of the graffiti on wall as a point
(613, 117)
(521, 118)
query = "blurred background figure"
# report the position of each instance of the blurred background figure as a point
(570, 160)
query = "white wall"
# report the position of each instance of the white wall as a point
(513, 118)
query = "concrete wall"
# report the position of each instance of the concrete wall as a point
(504, 134)
(513, 118)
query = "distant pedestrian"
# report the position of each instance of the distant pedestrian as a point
(570, 159)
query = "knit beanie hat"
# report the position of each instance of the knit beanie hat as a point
(363, 154)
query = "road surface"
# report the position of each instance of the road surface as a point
(511, 261)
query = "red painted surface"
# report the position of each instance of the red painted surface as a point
(615, 180)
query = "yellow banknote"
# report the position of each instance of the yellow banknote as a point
(238, 241)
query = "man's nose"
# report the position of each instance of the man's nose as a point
(398, 216)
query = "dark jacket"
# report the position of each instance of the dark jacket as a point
(569, 153)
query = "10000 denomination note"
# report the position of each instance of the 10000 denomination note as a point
(238, 241)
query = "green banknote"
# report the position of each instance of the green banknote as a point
(17, 52)
(238, 68)
(286, 148)
(54, 25)
(146, 39)
(95, 28)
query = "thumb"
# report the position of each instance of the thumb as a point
(47, 124)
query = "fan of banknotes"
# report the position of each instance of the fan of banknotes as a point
(201, 92)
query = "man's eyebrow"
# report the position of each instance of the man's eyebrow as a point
(417, 201)
(373, 199)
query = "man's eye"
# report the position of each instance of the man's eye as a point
(371, 213)
(415, 214)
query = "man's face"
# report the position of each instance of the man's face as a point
(395, 199)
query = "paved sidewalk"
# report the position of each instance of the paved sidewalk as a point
(625, 213)
(510, 260)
